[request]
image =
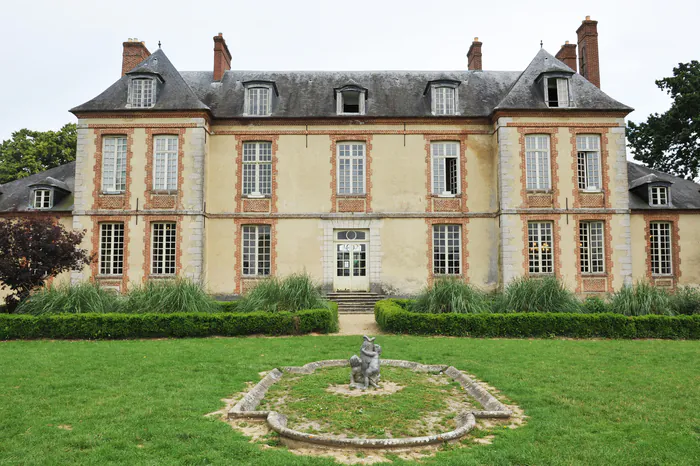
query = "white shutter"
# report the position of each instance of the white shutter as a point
(563, 92)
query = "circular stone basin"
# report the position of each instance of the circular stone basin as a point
(422, 405)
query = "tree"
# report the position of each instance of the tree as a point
(29, 152)
(671, 141)
(33, 249)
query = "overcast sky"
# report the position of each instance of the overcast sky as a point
(58, 54)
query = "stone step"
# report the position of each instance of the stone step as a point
(355, 311)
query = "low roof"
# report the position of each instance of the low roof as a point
(685, 194)
(16, 194)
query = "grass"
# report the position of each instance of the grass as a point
(451, 295)
(293, 293)
(536, 295)
(76, 299)
(168, 296)
(641, 299)
(143, 402)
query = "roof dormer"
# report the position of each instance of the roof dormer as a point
(350, 100)
(143, 88)
(260, 98)
(556, 87)
(656, 191)
(444, 96)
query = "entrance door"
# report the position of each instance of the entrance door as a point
(351, 271)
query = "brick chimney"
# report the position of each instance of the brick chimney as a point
(134, 53)
(589, 66)
(567, 54)
(474, 55)
(222, 57)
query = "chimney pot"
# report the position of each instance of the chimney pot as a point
(134, 52)
(589, 63)
(474, 55)
(588, 18)
(222, 57)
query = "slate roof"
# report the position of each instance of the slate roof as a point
(16, 194)
(310, 94)
(685, 194)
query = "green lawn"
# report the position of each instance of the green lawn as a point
(143, 402)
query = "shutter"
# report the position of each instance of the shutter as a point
(563, 92)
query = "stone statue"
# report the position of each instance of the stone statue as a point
(365, 369)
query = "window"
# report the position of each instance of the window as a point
(165, 163)
(445, 156)
(588, 148)
(351, 168)
(142, 93)
(111, 248)
(350, 102)
(591, 247)
(256, 250)
(258, 101)
(658, 195)
(540, 247)
(114, 164)
(446, 250)
(537, 162)
(163, 240)
(660, 243)
(444, 100)
(557, 92)
(43, 199)
(257, 169)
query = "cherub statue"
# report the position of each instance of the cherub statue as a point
(368, 371)
(356, 378)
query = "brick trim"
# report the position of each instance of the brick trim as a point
(153, 199)
(114, 201)
(553, 113)
(675, 246)
(604, 157)
(146, 114)
(556, 236)
(367, 196)
(116, 280)
(142, 125)
(238, 198)
(462, 196)
(561, 124)
(177, 219)
(553, 161)
(464, 224)
(607, 246)
(238, 245)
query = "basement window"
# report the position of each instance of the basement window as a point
(556, 92)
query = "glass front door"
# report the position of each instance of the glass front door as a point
(351, 272)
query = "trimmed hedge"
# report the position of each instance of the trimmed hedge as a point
(177, 325)
(391, 316)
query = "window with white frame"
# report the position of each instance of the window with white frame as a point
(351, 167)
(111, 248)
(114, 164)
(591, 254)
(658, 195)
(350, 102)
(660, 244)
(256, 250)
(165, 157)
(142, 92)
(257, 169)
(43, 199)
(258, 101)
(447, 250)
(589, 173)
(537, 165)
(163, 248)
(444, 100)
(557, 92)
(445, 160)
(540, 248)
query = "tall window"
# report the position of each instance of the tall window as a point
(445, 156)
(258, 101)
(114, 164)
(165, 163)
(111, 248)
(446, 250)
(444, 100)
(256, 250)
(163, 243)
(257, 168)
(658, 195)
(557, 92)
(591, 247)
(351, 168)
(588, 148)
(143, 92)
(537, 162)
(660, 243)
(540, 247)
(42, 199)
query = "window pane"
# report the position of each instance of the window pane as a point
(165, 160)
(537, 162)
(660, 242)
(446, 250)
(351, 168)
(445, 167)
(163, 248)
(540, 247)
(256, 250)
(111, 248)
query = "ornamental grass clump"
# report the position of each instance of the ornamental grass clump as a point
(168, 296)
(640, 300)
(449, 295)
(86, 297)
(546, 294)
(686, 301)
(294, 293)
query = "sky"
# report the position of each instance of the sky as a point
(59, 54)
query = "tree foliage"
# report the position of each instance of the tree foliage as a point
(29, 152)
(32, 250)
(671, 141)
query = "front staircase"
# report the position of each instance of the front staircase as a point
(355, 302)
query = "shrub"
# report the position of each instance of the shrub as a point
(296, 292)
(451, 295)
(227, 306)
(595, 305)
(537, 295)
(86, 297)
(168, 296)
(640, 300)
(686, 301)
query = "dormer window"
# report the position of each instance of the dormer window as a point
(142, 93)
(443, 97)
(556, 92)
(42, 199)
(259, 98)
(350, 100)
(658, 196)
